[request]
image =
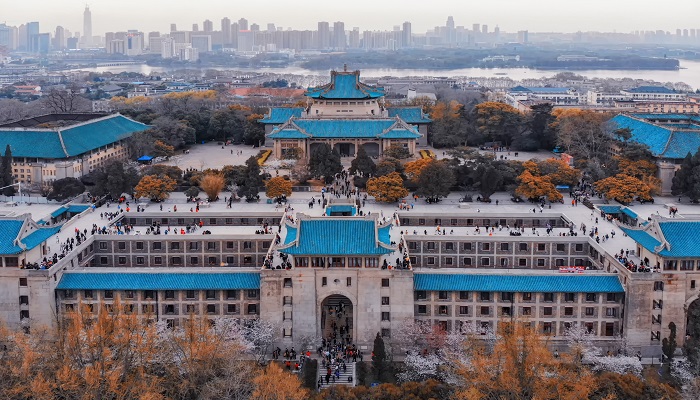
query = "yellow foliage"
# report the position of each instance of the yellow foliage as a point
(212, 184)
(263, 157)
(277, 187)
(388, 188)
(204, 95)
(535, 187)
(276, 384)
(414, 168)
(445, 110)
(155, 187)
(623, 188)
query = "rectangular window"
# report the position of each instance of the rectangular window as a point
(568, 311)
(247, 245)
(348, 281)
(211, 309)
(169, 295)
(467, 247)
(103, 245)
(211, 245)
(232, 308)
(229, 245)
(422, 309)
(527, 296)
(157, 260)
(176, 260)
(156, 245)
(140, 260)
(467, 261)
(611, 297)
(252, 293)
(191, 308)
(324, 281)
(210, 294)
(485, 296)
(561, 247)
(287, 300)
(485, 310)
(464, 295)
(658, 286)
(190, 294)
(449, 246)
(194, 260)
(504, 246)
(148, 294)
(430, 260)
(169, 309)
(486, 246)
(287, 282)
(88, 294)
(443, 295)
(23, 282)
(232, 294)
(485, 261)
(579, 247)
(194, 245)
(443, 310)
(507, 296)
(541, 247)
(385, 316)
(547, 311)
(590, 311)
(174, 245)
(139, 245)
(523, 246)
(252, 309)
(547, 328)
(108, 294)
(23, 300)
(569, 297)
(591, 297)
(610, 312)
(527, 311)
(121, 245)
(130, 294)
(421, 295)
(549, 297)
(463, 310)
(431, 245)
(385, 282)
(122, 260)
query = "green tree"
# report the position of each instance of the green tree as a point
(253, 183)
(669, 344)
(686, 181)
(113, 179)
(225, 124)
(435, 180)
(363, 163)
(389, 165)
(487, 179)
(381, 367)
(396, 151)
(325, 162)
(65, 188)
(7, 178)
(498, 122)
(540, 124)
(192, 192)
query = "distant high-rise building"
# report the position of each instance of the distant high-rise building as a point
(255, 27)
(324, 35)
(523, 37)
(59, 38)
(234, 35)
(133, 45)
(195, 27)
(208, 26)
(226, 31)
(173, 27)
(496, 31)
(354, 38)
(7, 37)
(450, 34)
(202, 43)
(339, 39)
(271, 27)
(246, 40)
(484, 29)
(242, 24)
(407, 36)
(31, 40)
(87, 28)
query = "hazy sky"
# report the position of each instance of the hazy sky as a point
(509, 15)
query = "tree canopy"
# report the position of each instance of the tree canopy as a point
(387, 189)
(324, 162)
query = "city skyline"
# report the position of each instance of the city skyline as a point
(540, 16)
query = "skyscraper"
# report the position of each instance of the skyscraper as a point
(59, 38)
(208, 26)
(226, 31)
(87, 27)
(407, 36)
(242, 24)
(339, 39)
(324, 35)
(32, 40)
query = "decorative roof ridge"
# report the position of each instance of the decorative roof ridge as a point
(63, 144)
(664, 244)
(100, 119)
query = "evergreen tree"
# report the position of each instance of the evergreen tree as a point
(324, 162)
(686, 181)
(435, 180)
(363, 163)
(253, 183)
(7, 178)
(380, 365)
(669, 344)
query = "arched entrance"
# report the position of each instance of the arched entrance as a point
(693, 321)
(337, 321)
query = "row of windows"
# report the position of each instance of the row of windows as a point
(209, 221)
(508, 311)
(405, 221)
(148, 295)
(336, 262)
(177, 260)
(503, 246)
(547, 328)
(443, 295)
(503, 261)
(168, 309)
(247, 245)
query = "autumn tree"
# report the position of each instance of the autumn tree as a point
(585, 135)
(520, 366)
(535, 187)
(277, 187)
(413, 169)
(212, 184)
(558, 171)
(275, 384)
(162, 149)
(499, 122)
(156, 188)
(623, 188)
(435, 180)
(387, 189)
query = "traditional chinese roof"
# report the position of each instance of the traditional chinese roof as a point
(280, 115)
(18, 234)
(337, 236)
(345, 85)
(667, 136)
(412, 115)
(379, 128)
(95, 280)
(669, 238)
(68, 141)
(563, 283)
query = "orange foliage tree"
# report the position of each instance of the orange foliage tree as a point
(414, 168)
(212, 184)
(156, 188)
(623, 188)
(277, 187)
(535, 187)
(520, 366)
(276, 384)
(387, 189)
(644, 170)
(162, 149)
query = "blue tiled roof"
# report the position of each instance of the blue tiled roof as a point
(610, 209)
(39, 236)
(158, 281)
(341, 209)
(682, 238)
(287, 134)
(643, 238)
(279, 115)
(68, 142)
(385, 234)
(291, 235)
(355, 128)
(9, 232)
(563, 283)
(345, 85)
(336, 236)
(651, 89)
(682, 143)
(73, 208)
(540, 89)
(400, 134)
(412, 115)
(663, 140)
(629, 213)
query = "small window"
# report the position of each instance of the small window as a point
(421, 295)
(287, 300)
(109, 294)
(324, 281)
(385, 282)
(485, 296)
(612, 297)
(386, 332)
(194, 260)
(467, 261)
(569, 311)
(443, 295)
(431, 245)
(252, 309)
(121, 245)
(464, 295)
(348, 281)
(122, 260)
(157, 245)
(88, 294)
(23, 282)
(485, 310)
(561, 247)
(590, 311)
(194, 245)
(23, 300)
(449, 246)
(148, 294)
(175, 246)
(385, 316)
(252, 294)
(210, 294)
(591, 297)
(232, 308)
(103, 246)
(507, 296)
(229, 245)
(385, 300)
(130, 294)
(504, 246)
(467, 246)
(232, 294)
(422, 309)
(485, 261)
(527, 311)
(547, 311)
(157, 260)
(527, 296)
(523, 246)
(549, 297)
(211, 245)
(486, 246)
(287, 282)
(658, 285)
(579, 247)
(211, 308)
(191, 308)
(139, 245)
(169, 295)
(569, 297)
(190, 294)
(443, 310)
(541, 247)
(176, 260)
(169, 309)
(463, 310)
(692, 284)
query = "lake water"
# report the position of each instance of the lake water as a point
(690, 72)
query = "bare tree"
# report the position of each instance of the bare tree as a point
(65, 101)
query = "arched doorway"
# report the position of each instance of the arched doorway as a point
(337, 321)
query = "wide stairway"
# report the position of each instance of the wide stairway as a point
(330, 305)
(342, 381)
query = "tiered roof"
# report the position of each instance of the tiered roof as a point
(673, 139)
(345, 85)
(379, 128)
(668, 238)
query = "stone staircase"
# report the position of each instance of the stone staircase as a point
(342, 381)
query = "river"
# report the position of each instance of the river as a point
(689, 72)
